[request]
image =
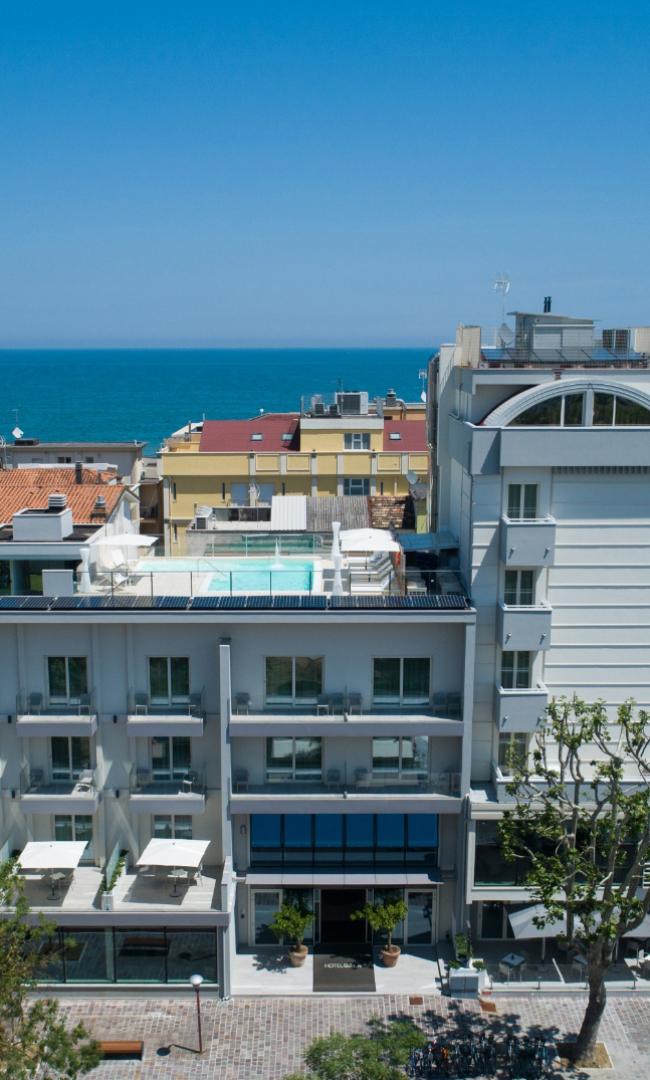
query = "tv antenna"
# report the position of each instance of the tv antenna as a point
(502, 286)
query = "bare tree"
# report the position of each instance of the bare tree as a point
(581, 822)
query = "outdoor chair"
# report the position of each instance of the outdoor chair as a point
(337, 702)
(84, 705)
(505, 971)
(242, 702)
(142, 777)
(190, 781)
(195, 705)
(141, 702)
(454, 705)
(355, 702)
(360, 775)
(333, 778)
(323, 704)
(85, 780)
(440, 704)
(35, 703)
(35, 778)
(240, 779)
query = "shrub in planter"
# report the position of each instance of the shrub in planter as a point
(291, 922)
(384, 915)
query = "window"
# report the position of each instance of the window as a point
(611, 409)
(293, 759)
(574, 410)
(356, 485)
(77, 827)
(544, 412)
(172, 826)
(67, 678)
(522, 502)
(257, 436)
(293, 678)
(356, 839)
(519, 588)
(400, 756)
(70, 756)
(287, 436)
(170, 757)
(169, 679)
(513, 748)
(89, 460)
(394, 436)
(174, 490)
(515, 670)
(64, 460)
(401, 680)
(356, 440)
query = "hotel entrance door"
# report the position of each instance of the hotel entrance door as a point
(337, 928)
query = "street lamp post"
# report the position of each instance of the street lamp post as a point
(195, 981)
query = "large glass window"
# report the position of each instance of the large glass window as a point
(513, 747)
(172, 827)
(356, 485)
(522, 502)
(544, 412)
(77, 827)
(171, 757)
(293, 759)
(356, 440)
(292, 679)
(400, 755)
(355, 839)
(169, 679)
(603, 409)
(611, 409)
(401, 680)
(515, 670)
(70, 756)
(67, 678)
(519, 588)
(574, 410)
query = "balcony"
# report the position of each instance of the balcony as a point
(525, 628)
(149, 794)
(40, 794)
(363, 792)
(146, 718)
(345, 714)
(37, 718)
(528, 543)
(520, 710)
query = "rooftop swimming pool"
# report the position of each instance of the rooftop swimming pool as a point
(235, 575)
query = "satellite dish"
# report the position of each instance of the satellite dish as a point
(17, 433)
(423, 396)
(412, 477)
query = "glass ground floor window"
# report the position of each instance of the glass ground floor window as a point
(112, 955)
(353, 839)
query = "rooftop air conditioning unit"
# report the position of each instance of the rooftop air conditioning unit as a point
(352, 404)
(200, 522)
(317, 406)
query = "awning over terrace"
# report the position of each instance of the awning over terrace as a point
(160, 852)
(367, 540)
(398, 879)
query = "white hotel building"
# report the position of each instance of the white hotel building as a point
(328, 747)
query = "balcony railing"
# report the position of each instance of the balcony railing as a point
(344, 781)
(35, 703)
(526, 627)
(528, 542)
(521, 710)
(146, 782)
(52, 794)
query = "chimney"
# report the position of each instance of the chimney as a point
(99, 509)
(78, 473)
(547, 305)
(56, 501)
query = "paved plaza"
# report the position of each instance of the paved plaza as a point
(263, 1038)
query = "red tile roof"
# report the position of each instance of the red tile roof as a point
(23, 489)
(413, 436)
(234, 436)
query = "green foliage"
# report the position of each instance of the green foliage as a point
(383, 915)
(291, 921)
(34, 1040)
(462, 947)
(382, 1055)
(581, 826)
(108, 886)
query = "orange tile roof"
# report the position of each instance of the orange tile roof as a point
(22, 489)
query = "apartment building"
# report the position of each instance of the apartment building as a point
(123, 457)
(344, 446)
(541, 472)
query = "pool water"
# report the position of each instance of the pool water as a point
(276, 575)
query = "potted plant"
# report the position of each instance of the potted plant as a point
(384, 915)
(291, 922)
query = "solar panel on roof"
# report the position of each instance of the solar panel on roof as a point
(121, 602)
(36, 603)
(66, 603)
(313, 603)
(10, 603)
(285, 602)
(205, 603)
(176, 603)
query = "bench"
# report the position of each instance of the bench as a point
(121, 1049)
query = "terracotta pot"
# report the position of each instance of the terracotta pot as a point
(389, 957)
(297, 955)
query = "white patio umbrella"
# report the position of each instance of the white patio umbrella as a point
(128, 540)
(52, 854)
(367, 540)
(159, 852)
(523, 926)
(84, 579)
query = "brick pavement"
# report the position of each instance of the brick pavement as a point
(263, 1038)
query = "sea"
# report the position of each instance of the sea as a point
(124, 394)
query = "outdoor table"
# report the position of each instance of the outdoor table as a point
(514, 961)
(177, 875)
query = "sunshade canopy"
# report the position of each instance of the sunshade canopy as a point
(367, 540)
(52, 854)
(128, 540)
(160, 852)
(524, 927)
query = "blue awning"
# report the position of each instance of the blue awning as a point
(428, 541)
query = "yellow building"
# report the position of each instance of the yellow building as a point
(346, 447)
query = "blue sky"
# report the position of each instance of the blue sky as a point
(311, 173)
